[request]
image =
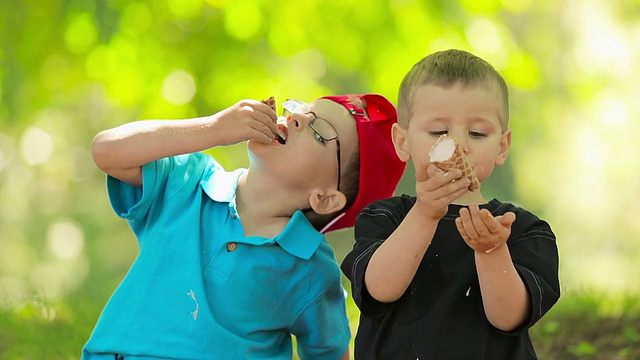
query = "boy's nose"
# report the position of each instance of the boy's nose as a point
(301, 121)
(293, 122)
(463, 143)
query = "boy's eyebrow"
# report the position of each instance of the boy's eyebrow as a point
(479, 118)
(443, 120)
(436, 119)
(483, 120)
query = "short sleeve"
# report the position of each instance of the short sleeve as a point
(132, 202)
(373, 226)
(161, 179)
(322, 329)
(535, 255)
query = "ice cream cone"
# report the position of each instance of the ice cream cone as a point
(446, 154)
(271, 102)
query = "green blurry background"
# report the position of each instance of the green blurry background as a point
(69, 69)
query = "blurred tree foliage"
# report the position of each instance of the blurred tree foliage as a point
(69, 69)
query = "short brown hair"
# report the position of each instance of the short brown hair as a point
(445, 68)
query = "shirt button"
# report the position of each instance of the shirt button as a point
(233, 216)
(232, 246)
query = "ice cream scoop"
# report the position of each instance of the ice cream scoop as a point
(446, 154)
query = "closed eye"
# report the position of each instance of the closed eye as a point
(438, 133)
(319, 138)
(476, 134)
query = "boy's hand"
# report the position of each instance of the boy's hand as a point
(246, 120)
(436, 189)
(481, 230)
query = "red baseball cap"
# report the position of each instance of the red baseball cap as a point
(380, 167)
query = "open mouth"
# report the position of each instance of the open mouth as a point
(281, 137)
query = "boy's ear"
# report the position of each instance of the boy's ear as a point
(505, 144)
(325, 202)
(399, 137)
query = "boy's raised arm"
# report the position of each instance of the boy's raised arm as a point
(504, 294)
(121, 151)
(394, 264)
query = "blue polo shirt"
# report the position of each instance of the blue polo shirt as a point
(200, 289)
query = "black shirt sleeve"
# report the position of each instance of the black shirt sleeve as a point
(373, 226)
(534, 252)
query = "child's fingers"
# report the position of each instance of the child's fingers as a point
(479, 222)
(491, 223)
(261, 136)
(461, 229)
(462, 188)
(258, 116)
(443, 189)
(262, 107)
(448, 180)
(427, 170)
(267, 118)
(452, 191)
(500, 224)
(472, 223)
(507, 219)
(480, 230)
(272, 117)
(466, 225)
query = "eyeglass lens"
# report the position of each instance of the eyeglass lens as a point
(319, 125)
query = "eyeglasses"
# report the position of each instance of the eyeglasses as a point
(321, 127)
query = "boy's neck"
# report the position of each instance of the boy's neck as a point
(470, 197)
(262, 207)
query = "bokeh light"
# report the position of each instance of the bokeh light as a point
(178, 87)
(71, 69)
(36, 145)
(65, 240)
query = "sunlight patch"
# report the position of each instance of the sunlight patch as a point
(178, 87)
(36, 146)
(65, 240)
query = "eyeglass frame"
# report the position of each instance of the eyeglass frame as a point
(287, 108)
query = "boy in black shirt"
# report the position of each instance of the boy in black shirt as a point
(447, 274)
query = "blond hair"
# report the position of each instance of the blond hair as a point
(446, 68)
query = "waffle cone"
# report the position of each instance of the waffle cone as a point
(446, 154)
(271, 102)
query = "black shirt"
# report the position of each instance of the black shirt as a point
(441, 316)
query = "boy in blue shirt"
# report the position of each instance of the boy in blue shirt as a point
(232, 264)
(448, 274)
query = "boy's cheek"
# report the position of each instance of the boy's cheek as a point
(482, 172)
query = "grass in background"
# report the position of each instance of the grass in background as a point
(38, 330)
(590, 325)
(584, 325)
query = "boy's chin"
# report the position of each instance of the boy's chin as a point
(256, 144)
(257, 150)
(253, 145)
